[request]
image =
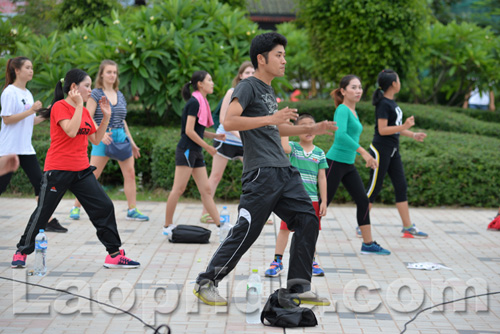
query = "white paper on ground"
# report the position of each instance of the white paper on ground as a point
(426, 266)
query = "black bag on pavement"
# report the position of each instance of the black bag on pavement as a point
(281, 311)
(190, 234)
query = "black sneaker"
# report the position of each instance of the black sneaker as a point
(54, 226)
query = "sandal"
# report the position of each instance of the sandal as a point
(206, 219)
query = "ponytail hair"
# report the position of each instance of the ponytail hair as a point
(13, 64)
(197, 76)
(336, 94)
(384, 81)
(62, 87)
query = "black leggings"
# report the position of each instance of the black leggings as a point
(389, 162)
(30, 165)
(348, 174)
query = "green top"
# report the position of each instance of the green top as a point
(308, 164)
(346, 140)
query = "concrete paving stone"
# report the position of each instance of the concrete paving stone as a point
(161, 290)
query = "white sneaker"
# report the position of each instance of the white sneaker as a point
(168, 230)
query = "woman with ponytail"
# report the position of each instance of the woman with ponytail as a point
(18, 118)
(189, 160)
(67, 168)
(385, 147)
(341, 156)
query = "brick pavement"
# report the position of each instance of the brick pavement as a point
(370, 294)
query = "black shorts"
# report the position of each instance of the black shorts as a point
(188, 157)
(230, 152)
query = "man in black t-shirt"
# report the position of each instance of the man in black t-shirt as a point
(269, 182)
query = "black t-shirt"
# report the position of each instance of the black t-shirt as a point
(262, 146)
(389, 110)
(191, 109)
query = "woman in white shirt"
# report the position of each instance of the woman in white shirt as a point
(18, 118)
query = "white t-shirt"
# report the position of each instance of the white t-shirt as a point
(480, 98)
(16, 138)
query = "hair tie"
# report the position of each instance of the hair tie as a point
(62, 80)
(189, 82)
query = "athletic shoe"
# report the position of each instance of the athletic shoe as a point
(413, 232)
(374, 248)
(135, 214)
(75, 213)
(275, 269)
(317, 271)
(168, 230)
(209, 294)
(19, 260)
(311, 298)
(120, 261)
(54, 226)
(358, 232)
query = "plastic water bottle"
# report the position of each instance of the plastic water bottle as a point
(254, 293)
(41, 242)
(225, 226)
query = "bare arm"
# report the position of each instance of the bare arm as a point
(321, 128)
(223, 110)
(191, 133)
(322, 191)
(286, 145)
(386, 130)
(97, 136)
(492, 100)
(234, 120)
(135, 148)
(12, 119)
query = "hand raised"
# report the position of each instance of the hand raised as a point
(324, 128)
(285, 115)
(36, 106)
(419, 136)
(75, 96)
(410, 121)
(105, 107)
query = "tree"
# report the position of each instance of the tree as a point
(38, 15)
(363, 37)
(77, 13)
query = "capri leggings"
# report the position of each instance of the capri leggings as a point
(29, 163)
(348, 174)
(389, 162)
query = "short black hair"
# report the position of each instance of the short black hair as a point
(263, 43)
(302, 116)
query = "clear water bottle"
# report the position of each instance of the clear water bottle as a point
(41, 242)
(225, 226)
(254, 293)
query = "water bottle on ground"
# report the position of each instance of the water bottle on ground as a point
(254, 293)
(41, 242)
(225, 226)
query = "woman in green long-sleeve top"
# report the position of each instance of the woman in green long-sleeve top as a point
(341, 156)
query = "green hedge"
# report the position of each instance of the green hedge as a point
(447, 169)
(431, 117)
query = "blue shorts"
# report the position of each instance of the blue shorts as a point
(118, 135)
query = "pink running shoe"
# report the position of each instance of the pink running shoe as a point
(19, 260)
(120, 261)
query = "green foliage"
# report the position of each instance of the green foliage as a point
(77, 13)
(363, 37)
(453, 167)
(457, 57)
(156, 48)
(40, 16)
(9, 35)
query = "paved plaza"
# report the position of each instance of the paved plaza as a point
(369, 293)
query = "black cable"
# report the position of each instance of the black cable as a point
(449, 302)
(92, 300)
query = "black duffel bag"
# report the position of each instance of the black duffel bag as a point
(281, 311)
(190, 234)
